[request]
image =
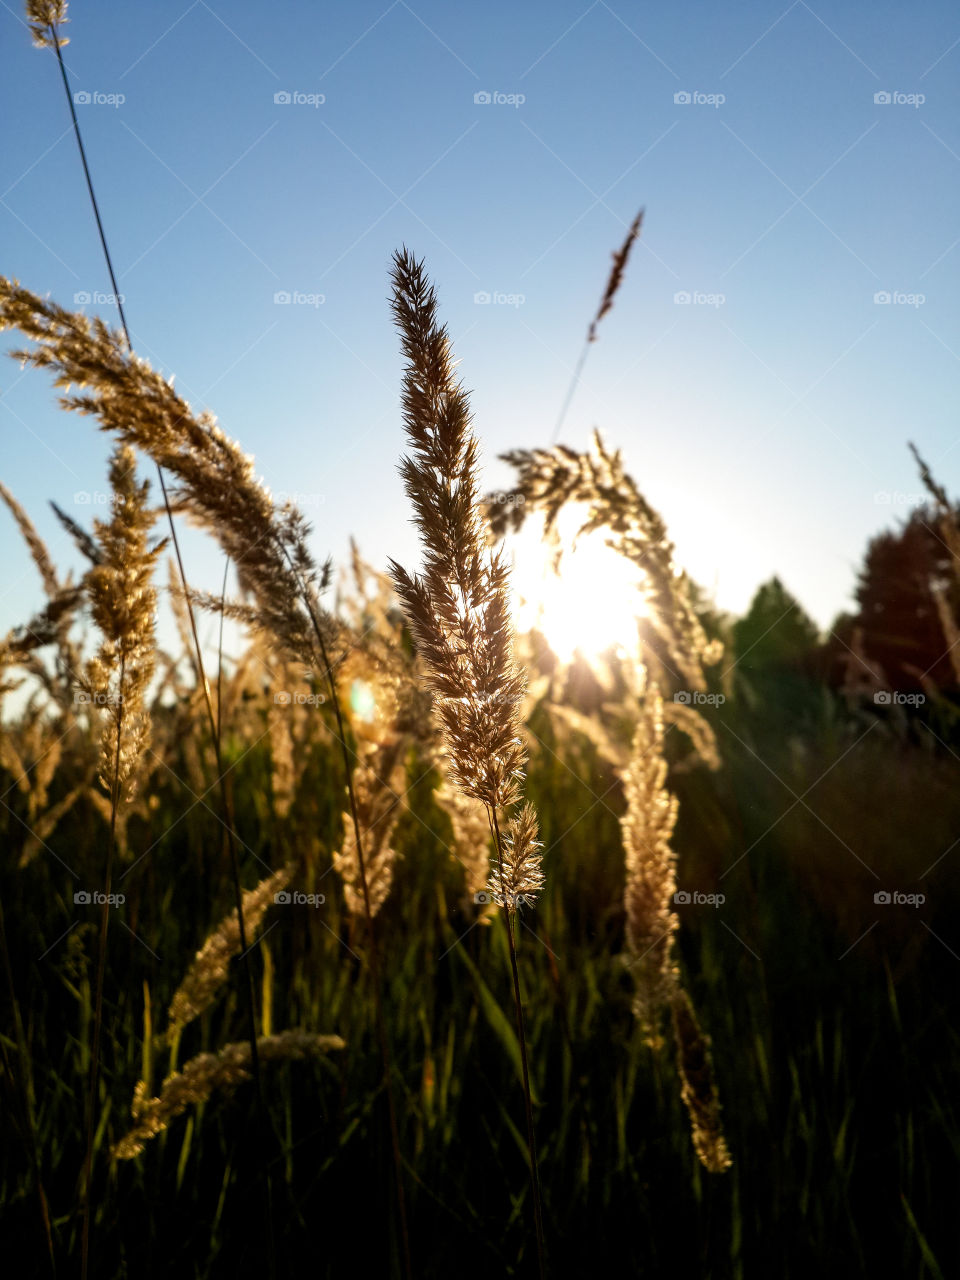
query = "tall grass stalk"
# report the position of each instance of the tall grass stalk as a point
(26, 1075)
(509, 916)
(458, 610)
(548, 480)
(375, 968)
(266, 543)
(122, 601)
(98, 1001)
(614, 280)
(45, 17)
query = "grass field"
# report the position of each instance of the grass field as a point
(835, 1052)
(375, 940)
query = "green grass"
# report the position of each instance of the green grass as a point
(836, 1063)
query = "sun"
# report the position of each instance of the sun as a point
(591, 605)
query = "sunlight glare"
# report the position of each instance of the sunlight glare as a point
(594, 602)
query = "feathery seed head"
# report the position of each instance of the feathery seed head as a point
(123, 604)
(43, 17)
(517, 877)
(458, 607)
(208, 1073)
(217, 485)
(209, 969)
(549, 479)
(698, 1088)
(471, 832)
(378, 790)
(647, 827)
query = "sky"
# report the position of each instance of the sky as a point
(784, 328)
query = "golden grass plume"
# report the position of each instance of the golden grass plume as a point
(208, 1073)
(208, 972)
(458, 607)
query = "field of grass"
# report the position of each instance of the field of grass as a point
(391, 961)
(835, 1058)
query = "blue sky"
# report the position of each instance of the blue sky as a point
(767, 418)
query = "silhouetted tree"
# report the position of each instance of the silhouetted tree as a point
(775, 647)
(901, 627)
(775, 631)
